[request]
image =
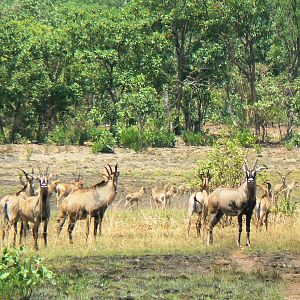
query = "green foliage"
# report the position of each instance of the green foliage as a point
(293, 141)
(245, 138)
(19, 275)
(198, 138)
(285, 207)
(104, 141)
(68, 135)
(225, 164)
(138, 140)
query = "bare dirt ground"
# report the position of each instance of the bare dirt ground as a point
(156, 167)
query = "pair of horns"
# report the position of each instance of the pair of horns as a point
(25, 173)
(110, 171)
(254, 166)
(40, 171)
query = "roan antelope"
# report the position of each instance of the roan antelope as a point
(234, 202)
(198, 203)
(36, 209)
(89, 202)
(10, 205)
(263, 206)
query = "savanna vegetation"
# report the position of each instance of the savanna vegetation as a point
(212, 82)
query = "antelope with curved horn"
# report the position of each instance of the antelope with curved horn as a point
(234, 202)
(89, 202)
(198, 203)
(36, 209)
(10, 205)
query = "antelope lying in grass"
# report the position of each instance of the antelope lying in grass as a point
(135, 197)
(64, 189)
(234, 202)
(89, 202)
(10, 206)
(36, 209)
(263, 206)
(198, 203)
(280, 188)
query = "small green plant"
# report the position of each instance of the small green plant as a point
(29, 152)
(132, 138)
(245, 138)
(19, 274)
(159, 138)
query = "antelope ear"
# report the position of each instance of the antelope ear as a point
(260, 169)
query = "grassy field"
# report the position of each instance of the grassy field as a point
(146, 253)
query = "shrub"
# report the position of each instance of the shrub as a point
(68, 135)
(138, 140)
(245, 138)
(132, 138)
(224, 164)
(197, 138)
(293, 141)
(159, 138)
(19, 275)
(104, 141)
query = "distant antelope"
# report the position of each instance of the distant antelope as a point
(10, 205)
(87, 203)
(234, 202)
(36, 209)
(280, 187)
(135, 197)
(198, 203)
(170, 192)
(64, 189)
(159, 197)
(263, 206)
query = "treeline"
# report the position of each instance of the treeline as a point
(72, 71)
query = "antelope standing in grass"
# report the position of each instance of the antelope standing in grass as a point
(135, 197)
(89, 202)
(234, 202)
(280, 187)
(159, 197)
(10, 206)
(64, 189)
(170, 192)
(263, 206)
(198, 203)
(36, 209)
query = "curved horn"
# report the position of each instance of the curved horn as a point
(255, 164)
(116, 168)
(245, 165)
(26, 174)
(46, 173)
(107, 171)
(111, 171)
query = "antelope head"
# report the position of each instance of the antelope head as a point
(251, 173)
(43, 177)
(283, 177)
(112, 175)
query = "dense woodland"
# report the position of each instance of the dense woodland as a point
(73, 71)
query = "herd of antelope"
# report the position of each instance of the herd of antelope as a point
(76, 202)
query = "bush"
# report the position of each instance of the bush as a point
(293, 141)
(19, 275)
(224, 164)
(68, 135)
(197, 138)
(245, 138)
(138, 140)
(159, 138)
(104, 141)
